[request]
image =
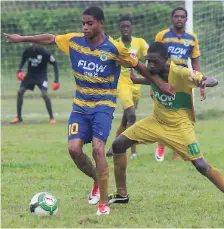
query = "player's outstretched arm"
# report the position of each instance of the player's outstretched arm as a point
(44, 39)
(161, 84)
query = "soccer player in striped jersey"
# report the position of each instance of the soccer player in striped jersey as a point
(96, 61)
(129, 93)
(182, 45)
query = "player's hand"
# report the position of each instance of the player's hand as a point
(20, 75)
(167, 88)
(13, 38)
(203, 93)
(133, 75)
(55, 86)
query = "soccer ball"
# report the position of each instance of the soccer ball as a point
(44, 204)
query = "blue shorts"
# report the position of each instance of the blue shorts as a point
(86, 126)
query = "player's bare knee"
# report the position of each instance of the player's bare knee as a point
(74, 151)
(121, 144)
(98, 152)
(201, 165)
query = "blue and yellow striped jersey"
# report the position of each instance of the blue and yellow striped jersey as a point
(180, 48)
(96, 71)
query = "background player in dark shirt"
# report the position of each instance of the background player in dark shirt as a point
(38, 58)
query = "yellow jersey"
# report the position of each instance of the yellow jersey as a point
(138, 47)
(173, 110)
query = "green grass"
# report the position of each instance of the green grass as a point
(35, 158)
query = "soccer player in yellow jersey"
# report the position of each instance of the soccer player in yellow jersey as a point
(96, 60)
(170, 123)
(182, 45)
(129, 93)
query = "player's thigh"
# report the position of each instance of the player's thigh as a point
(43, 85)
(125, 97)
(79, 127)
(147, 130)
(182, 139)
(101, 125)
(28, 84)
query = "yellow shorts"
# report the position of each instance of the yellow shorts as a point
(128, 96)
(180, 138)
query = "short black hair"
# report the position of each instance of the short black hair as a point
(126, 17)
(95, 12)
(158, 47)
(179, 8)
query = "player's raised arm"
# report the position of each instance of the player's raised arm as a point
(44, 39)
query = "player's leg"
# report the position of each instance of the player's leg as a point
(120, 129)
(120, 145)
(147, 130)
(19, 104)
(183, 140)
(136, 96)
(213, 174)
(101, 126)
(43, 88)
(126, 99)
(79, 133)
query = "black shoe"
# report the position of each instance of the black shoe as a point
(109, 154)
(118, 199)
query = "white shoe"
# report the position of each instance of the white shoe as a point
(103, 209)
(94, 195)
(133, 156)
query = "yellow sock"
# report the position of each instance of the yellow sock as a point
(120, 165)
(103, 181)
(216, 178)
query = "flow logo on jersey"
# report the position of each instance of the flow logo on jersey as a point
(164, 99)
(91, 66)
(177, 50)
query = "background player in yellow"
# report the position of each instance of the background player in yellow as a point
(95, 59)
(129, 93)
(182, 45)
(170, 123)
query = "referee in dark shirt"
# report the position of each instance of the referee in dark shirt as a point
(37, 57)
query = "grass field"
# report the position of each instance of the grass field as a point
(35, 158)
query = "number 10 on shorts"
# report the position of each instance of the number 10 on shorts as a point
(73, 129)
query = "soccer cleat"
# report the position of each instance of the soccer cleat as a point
(94, 195)
(159, 154)
(52, 121)
(16, 120)
(118, 199)
(109, 153)
(103, 209)
(133, 155)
